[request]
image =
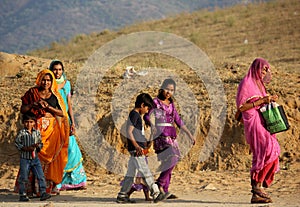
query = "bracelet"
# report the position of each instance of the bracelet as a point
(253, 104)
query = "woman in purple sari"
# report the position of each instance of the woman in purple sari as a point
(164, 133)
(264, 146)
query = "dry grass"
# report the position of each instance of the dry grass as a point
(271, 30)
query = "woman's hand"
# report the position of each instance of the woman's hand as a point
(35, 104)
(267, 99)
(274, 98)
(72, 129)
(193, 140)
(43, 104)
(25, 108)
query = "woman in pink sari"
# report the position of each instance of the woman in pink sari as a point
(264, 146)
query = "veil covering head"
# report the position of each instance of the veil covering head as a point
(41, 75)
(253, 84)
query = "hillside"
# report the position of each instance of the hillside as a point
(30, 24)
(237, 33)
(231, 38)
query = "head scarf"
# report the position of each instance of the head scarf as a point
(40, 77)
(252, 84)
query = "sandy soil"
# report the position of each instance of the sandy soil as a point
(203, 188)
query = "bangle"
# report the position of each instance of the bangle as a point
(253, 104)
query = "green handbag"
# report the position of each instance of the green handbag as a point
(275, 118)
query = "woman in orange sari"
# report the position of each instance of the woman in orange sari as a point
(46, 103)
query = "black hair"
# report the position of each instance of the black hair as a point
(28, 115)
(56, 62)
(51, 77)
(144, 98)
(166, 82)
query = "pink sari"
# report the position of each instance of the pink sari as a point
(263, 145)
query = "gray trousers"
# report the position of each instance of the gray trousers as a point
(138, 164)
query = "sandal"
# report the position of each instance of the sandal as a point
(260, 193)
(257, 199)
(172, 196)
(55, 191)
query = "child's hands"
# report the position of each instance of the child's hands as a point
(29, 149)
(35, 145)
(139, 151)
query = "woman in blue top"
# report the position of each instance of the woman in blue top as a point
(74, 175)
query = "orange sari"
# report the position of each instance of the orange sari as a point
(54, 131)
(54, 154)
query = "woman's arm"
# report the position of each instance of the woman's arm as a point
(72, 127)
(46, 106)
(54, 111)
(26, 108)
(179, 122)
(264, 100)
(185, 129)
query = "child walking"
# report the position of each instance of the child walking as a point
(139, 185)
(136, 146)
(29, 143)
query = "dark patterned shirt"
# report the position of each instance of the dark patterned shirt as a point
(25, 139)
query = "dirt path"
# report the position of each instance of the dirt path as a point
(205, 188)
